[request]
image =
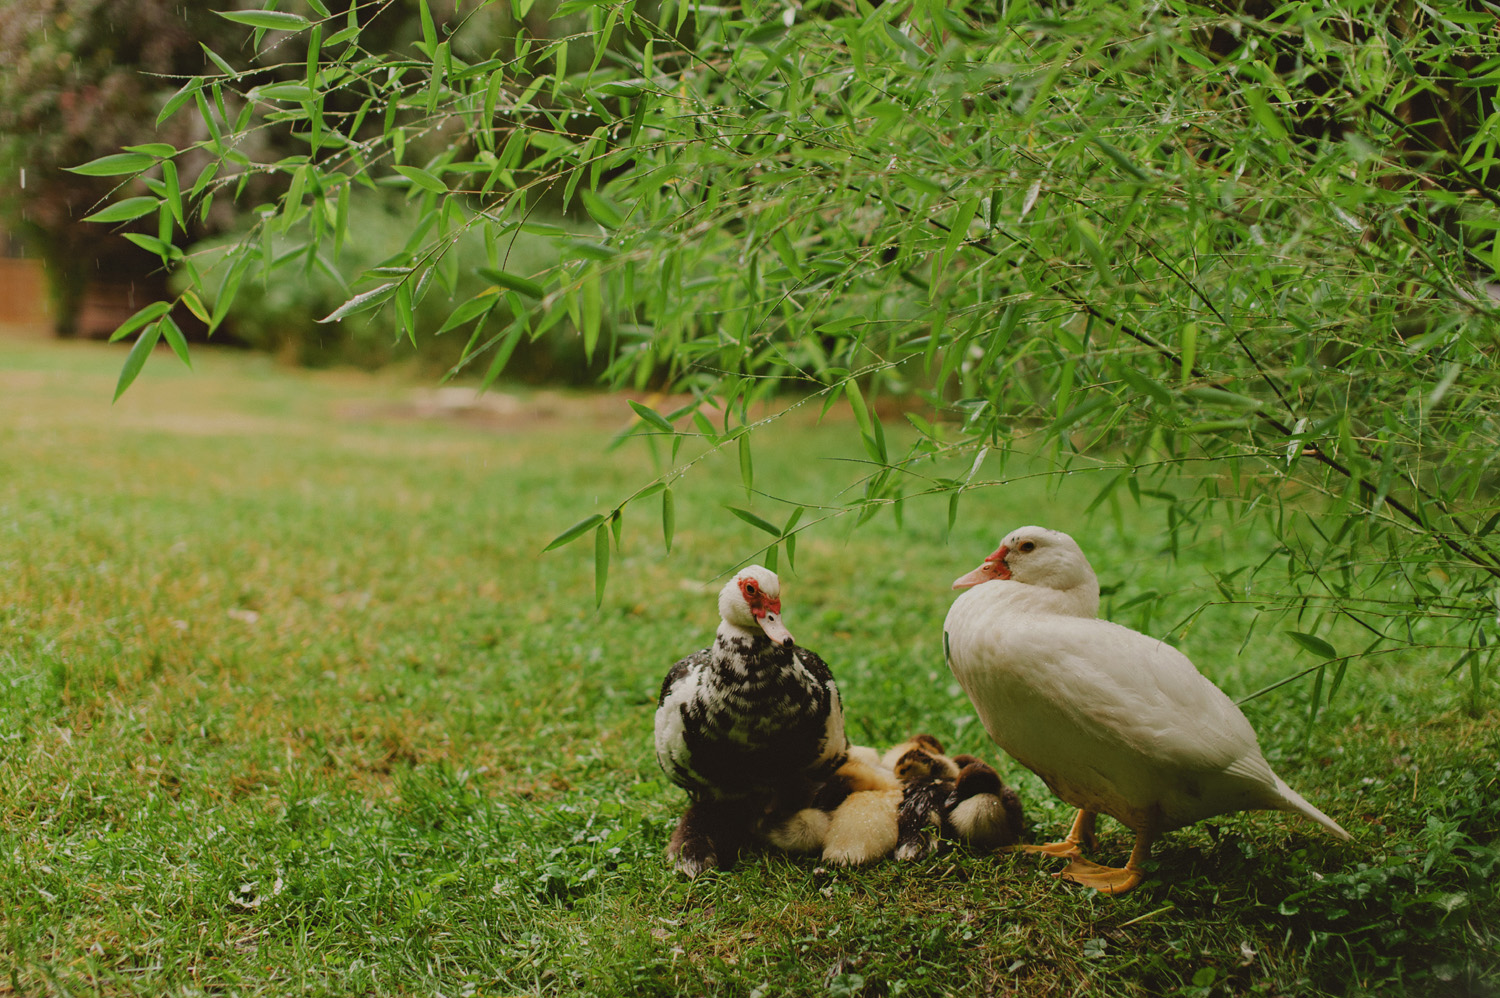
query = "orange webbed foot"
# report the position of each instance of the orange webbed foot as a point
(1066, 849)
(1105, 879)
(1080, 836)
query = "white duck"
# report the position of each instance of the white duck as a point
(1114, 721)
(749, 727)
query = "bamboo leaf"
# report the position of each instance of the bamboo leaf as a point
(177, 100)
(347, 34)
(857, 405)
(1219, 397)
(272, 20)
(217, 60)
(480, 305)
(591, 312)
(136, 359)
(293, 92)
(362, 302)
(1315, 701)
(502, 354)
(151, 244)
(601, 209)
(195, 305)
(114, 165)
(1313, 643)
(601, 562)
(429, 29)
(1120, 159)
(668, 518)
(174, 191)
(1144, 385)
(1105, 492)
(176, 341)
(314, 49)
(514, 282)
(755, 521)
(423, 179)
(791, 538)
(228, 290)
(1189, 351)
(747, 467)
(651, 416)
(574, 532)
(150, 313)
(125, 211)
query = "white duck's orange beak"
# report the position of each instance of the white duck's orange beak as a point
(994, 567)
(770, 622)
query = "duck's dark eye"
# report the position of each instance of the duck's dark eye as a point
(749, 589)
(1027, 547)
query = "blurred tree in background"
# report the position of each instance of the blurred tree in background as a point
(89, 78)
(1233, 260)
(82, 79)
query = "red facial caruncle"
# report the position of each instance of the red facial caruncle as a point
(755, 598)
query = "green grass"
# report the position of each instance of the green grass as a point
(290, 703)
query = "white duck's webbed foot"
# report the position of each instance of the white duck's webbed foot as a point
(1111, 879)
(1106, 879)
(1066, 849)
(1080, 837)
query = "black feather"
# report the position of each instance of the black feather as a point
(755, 725)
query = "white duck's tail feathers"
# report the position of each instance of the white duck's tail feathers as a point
(1295, 802)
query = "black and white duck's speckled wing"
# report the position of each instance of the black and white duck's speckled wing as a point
(747, 716)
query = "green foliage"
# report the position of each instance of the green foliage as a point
(280, 313)
(1230, 260)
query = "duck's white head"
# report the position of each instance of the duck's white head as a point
(1036, 556)
(752, 599)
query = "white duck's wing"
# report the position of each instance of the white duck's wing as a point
(1112, 719)
(1149, 693)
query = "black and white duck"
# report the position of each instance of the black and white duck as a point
(750, 727)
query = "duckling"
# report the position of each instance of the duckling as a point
(981, 810)
(928, 779)
(905, 805)
(807, 830)
(961, 798)
(922, 742)
(863, 828)
(852, 819)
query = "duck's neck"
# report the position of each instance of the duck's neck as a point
(739, 649)
(734, 633)
(1080, 601)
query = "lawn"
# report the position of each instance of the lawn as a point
(291, 702)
